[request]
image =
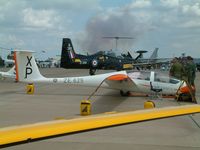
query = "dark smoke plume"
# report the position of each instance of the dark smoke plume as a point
(122, 22)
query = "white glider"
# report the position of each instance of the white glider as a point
(124, 81)
(9, 74)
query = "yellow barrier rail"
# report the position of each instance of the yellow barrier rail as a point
(23, 133)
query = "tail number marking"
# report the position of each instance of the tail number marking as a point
(29, 70)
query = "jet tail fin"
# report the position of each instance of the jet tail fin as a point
(153, 57)
(68, 54)
(154, 54)
(26, 67)
(129, 55)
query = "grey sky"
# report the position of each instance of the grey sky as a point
(171, 25)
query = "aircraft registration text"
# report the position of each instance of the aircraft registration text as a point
(73, 80)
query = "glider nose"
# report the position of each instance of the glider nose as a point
(184, 88)
(117, 77)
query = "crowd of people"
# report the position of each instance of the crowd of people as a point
(184, 69)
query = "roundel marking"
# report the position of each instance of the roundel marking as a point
(94, 63)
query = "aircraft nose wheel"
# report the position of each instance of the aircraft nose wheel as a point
(92, 71)
(123, 93)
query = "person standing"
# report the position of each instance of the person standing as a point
(176, 69)
(190, 70)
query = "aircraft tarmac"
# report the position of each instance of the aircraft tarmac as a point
(51, 102)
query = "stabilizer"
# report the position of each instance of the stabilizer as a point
(9, 74)
(129, 55)
(12, 71)
(68, 53)
(26, 67)
(153, 57)
(154, 54)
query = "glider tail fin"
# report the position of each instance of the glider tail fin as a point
(26, 67)
(68, 54)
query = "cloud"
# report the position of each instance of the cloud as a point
(14, 39)
(192, 9)
(10, 13)
(170, 3)
(140, 4)
(114, 22)
(40, 18)
(42, 24)
(69, 5)
(191, 24)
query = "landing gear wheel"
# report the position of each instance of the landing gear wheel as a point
(185, 98)
(92, 71)
(125, 94)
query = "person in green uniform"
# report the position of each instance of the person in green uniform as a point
(190, 74)
(190, 70)
(176, 69)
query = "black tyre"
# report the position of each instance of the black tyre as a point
(92, 71)
(125, 94)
